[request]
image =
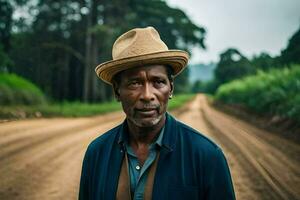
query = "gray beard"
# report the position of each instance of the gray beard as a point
(142, 124)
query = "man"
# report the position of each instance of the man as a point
(150, 155)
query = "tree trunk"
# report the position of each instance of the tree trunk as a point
(65, 86)
(88, 45)
(95, 59)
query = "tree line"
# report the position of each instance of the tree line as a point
(57, 44)
(234, 65)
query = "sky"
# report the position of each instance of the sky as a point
(251, 26)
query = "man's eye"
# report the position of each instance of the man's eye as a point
(134, 83)
(160, 82)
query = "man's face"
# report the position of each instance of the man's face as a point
(144, 93)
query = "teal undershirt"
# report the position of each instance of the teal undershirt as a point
(138, 175)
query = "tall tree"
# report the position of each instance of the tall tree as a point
(292, 52)
(6, 22)
(232, 65)
(263, 62)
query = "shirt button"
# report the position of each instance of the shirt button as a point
(137, 167)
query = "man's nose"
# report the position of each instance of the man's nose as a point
(147, 93)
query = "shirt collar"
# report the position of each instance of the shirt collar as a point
(123, 139)
(169, 137)
(160, 137)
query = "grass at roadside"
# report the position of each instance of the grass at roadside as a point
(179, 100)
(66, 109)
(74, 109)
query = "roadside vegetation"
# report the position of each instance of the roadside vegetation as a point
(272, 93)
(75, 109)
(179, 100)
(20, 98)
(15, 90)
(65, 109)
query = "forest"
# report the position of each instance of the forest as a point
(57, 44)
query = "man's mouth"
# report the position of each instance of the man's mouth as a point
(149, 111)
(146, 110)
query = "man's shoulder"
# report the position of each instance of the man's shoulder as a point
(104, 140)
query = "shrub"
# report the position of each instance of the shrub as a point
(15, 90)
(276, 92)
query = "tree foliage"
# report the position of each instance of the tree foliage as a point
(60, 42)
(292, 52)
(6, 11)
(263, 62)
(6, 21)
(232, 65)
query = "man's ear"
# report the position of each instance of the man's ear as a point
(116, 91)
(171, 89)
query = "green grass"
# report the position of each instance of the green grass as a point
(66, 109)
(15, 90)
(179, 100)
(75, 109)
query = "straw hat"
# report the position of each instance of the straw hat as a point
(139, 47)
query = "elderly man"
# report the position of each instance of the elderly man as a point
(150, 155)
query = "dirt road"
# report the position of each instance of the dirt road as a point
(41, 158)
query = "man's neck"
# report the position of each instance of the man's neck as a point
(144, 136)
(140, 138)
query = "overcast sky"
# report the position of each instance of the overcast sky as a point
(251, 26)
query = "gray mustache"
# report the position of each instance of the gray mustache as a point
(148, 107)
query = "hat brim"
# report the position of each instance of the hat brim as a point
(175, 58)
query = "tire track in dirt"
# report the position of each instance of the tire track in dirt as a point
(19, 126)
(241, 179)
(32, 167)
(14, 144)
(71, 184)
(279, 170)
